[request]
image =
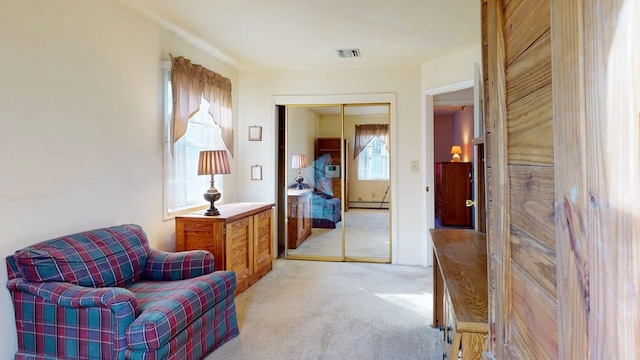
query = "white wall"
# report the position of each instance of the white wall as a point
(257, 92)
(81, 125)
(451, 69)
(330, 126)
(443, 127)
(302, 130)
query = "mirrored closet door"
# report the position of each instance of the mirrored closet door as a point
(367, 221)
(337, 178)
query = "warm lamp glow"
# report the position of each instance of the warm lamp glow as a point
(456, 150)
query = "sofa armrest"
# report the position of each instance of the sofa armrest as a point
(166, 266)
(74, 296)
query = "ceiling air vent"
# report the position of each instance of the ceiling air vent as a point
(348, 53)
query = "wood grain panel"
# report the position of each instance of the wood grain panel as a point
(573, 203)
(597, 113)
(491, 248)
(530, 71)
(499, 184)
(473, 345)
(535, 259)
(438, 294)
(220, 246)
(262, 225)
(532, 202)
(483, 25)
(487, 152)
(238, 253)
(462, 260)
(533, 322)
(492, 264)
(530, 129)
(525, 21)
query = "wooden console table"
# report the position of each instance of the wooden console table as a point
(460, 291)
(240, 239)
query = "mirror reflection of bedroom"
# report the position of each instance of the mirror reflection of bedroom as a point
(338, 182)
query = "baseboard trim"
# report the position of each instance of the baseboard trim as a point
(368, 205)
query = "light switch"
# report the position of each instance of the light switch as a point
(414, 166)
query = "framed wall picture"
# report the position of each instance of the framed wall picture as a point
(256, 172)
(255, 133)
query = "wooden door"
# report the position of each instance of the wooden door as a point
(521, 239)
(455, 187)
(563, 215)
(596, 105)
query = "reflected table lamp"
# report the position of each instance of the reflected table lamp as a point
(299, 162)
(456, 150)
(213, 162)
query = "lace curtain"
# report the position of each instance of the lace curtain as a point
(190, 83)
(366, 133)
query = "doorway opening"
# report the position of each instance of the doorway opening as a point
(478, 203)
(453, 149)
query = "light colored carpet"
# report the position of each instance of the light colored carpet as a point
(322, 310)
(366, 235)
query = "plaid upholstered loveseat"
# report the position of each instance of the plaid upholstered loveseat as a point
(104, 294)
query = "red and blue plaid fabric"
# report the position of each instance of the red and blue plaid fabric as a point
(64, 321)
(163, 265)
(112, 256)
(65, 311)
(167, 307)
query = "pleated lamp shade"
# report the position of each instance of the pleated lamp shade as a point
(299, 161)
(213, 162)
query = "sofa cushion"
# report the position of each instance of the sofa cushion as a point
(165, 308)
(114, 256)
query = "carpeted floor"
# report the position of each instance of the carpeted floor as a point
(366, 235)
(322, 310)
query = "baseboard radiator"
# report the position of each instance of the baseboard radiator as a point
(368, 205)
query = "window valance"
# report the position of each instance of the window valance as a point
(366, 133)
(190, 83)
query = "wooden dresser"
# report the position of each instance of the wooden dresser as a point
(460, 291)
(240, 239)
(453, 188)
(299, 216)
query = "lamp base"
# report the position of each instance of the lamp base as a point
(212, 197)
(299, 180)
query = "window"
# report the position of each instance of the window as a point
(184, 188)
(373, 161)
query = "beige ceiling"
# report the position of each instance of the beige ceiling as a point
(303, 34)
